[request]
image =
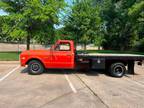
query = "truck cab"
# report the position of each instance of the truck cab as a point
(60, 56)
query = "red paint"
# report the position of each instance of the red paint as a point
(52, 58)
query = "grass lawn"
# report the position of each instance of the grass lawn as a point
(9, 56)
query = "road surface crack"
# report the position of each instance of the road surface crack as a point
(91, 90)
(59, 97)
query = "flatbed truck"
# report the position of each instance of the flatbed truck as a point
(63, 55)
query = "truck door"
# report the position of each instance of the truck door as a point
(63, 56)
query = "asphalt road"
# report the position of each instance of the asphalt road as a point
(67, 89)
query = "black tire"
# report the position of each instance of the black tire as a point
(117, 70)
(35, 67)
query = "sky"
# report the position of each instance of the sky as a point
(3, 13)
(69, 1)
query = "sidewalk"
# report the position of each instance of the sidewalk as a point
(9, 62)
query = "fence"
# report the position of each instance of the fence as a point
(14, 47)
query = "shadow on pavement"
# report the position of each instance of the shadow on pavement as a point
(67, 71)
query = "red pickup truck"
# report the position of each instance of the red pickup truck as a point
(63, 55)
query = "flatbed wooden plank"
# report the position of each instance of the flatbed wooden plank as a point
(104, 54)
(112, 56)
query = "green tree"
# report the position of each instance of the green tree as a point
(64, 35)
(84, 21)
(136, 12)
(4, 37)
(1, 20)
(33, 18)
(121, 30)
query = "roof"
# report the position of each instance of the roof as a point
(65, 40)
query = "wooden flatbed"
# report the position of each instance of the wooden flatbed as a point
(135, 57)
(110, 61)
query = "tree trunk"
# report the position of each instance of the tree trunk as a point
(99, 47)
(85, 46)
(28, 42)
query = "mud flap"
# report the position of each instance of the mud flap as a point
(131, 65)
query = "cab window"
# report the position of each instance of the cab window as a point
(63, 47)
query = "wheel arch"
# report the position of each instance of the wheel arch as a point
(37, 60)
(110, 62)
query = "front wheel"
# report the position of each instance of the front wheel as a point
(35, 67)
(117, 70)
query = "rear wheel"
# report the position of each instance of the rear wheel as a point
(117, 70)
(35, 67)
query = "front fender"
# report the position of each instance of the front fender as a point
(35, 58)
